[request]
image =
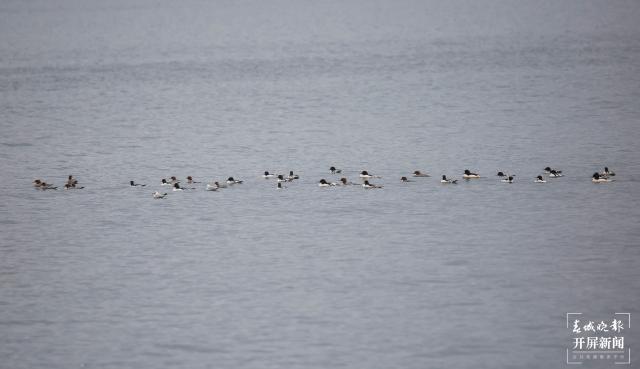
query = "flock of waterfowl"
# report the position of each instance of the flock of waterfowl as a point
(364, 175)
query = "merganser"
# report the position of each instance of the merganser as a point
(508, 180)
(282, 179)
(211, 188)
(324, 183)
(158, 195)
(597, 179)
(174, 180)
(230, 180)
(366, 184)
(418, 174)
(37, 183)
(347, 183)
(165, 183)
(176, 187)
(281, 187)
(404, 179)
(72, 187)
(364, 174)
(72, 180)
(467, 174)
(220, 186)
(555, 174)
(500, 174)
(446, 181)
(539, 180)
(190, 180)
(334, 170)
(548, 170)
(293, 176)
(607, 172)
(46, 186)
(267, 175)
(136, 185)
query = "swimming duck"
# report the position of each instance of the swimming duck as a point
(467, 174)
(549, 170)
(71, 180)
(72, 187)
(282, 179)
(37, 183)
(219, 185)
(46, 186)
(404, 179)
(418, 174)
(211, 188)
(596, 178)
(230, 180)
(607, 172)
(158, 195)
(446, 181)
(293, 176)
(176, 187)
(281, 187)
(190, 180)
(347, 183)
(364, 174)
(367, 185)
(334, 170)
(136, 185)
(324, 183)
(508, 180)
(539, 180)
(174, 180)
(267, 175)
(500, 174)
(555, 174)
(165, 183)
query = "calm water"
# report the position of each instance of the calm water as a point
(414, 275)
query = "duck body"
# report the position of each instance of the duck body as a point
(267, 175)
(596, 178)
(344, 182)
(467, 174)
(418, 174)
(190, 180)
(293, 176)
(282, 179)
(539, 180)
(231, 181)
(174, 180)
(555, 174)
(368, 185)
(176, 187)
(280, 186)
(607, 172)
(220, 186)
(136, 184)
(46, 186)
(165, 183)
(72, 187)
(365, 174)
(404, 179)
(448, 181)
(508, 180)
(324, 183)
(334, 170)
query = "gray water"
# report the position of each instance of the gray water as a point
(414, 275)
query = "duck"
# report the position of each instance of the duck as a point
(282, 179)
(158, 195)
(165, 183)
(539, 180)
(467, 174)
(268, 175)
(404, 179)
(347, 183)
(211, 188)
(219, 185)
(190, 180)
(368, 185)
(72, 187)
(136, 184)
(334, 170)
(596, 178)
(508, 180)
(549, 170)
(174, 180)
(71, 180)
(293, 176)
(324, 183)
(447, 181)
(46, 186)
(500, 174)
(364, 174)
(607, 172)
(231, 181)
(418, 174)
(176, 187)
(280, 186)
(555, 174)
(37, 183)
